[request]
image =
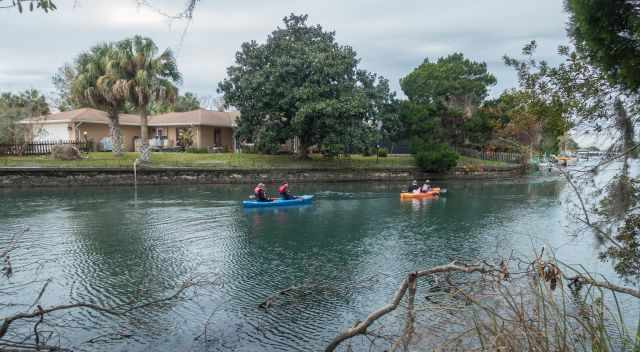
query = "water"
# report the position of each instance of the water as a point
(353, 246)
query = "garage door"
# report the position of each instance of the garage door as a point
(52, 132)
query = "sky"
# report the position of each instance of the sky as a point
(390, 37)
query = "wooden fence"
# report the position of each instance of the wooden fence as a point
(488, 155)
(42, 148)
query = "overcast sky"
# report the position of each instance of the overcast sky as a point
(391, 37)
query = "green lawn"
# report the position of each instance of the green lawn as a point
(225, 161)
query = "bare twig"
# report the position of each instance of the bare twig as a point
(587, 220)
(582, 279)
(9, 320)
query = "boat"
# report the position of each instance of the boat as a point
(279, 202)
(434, 192)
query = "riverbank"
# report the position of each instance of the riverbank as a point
(57, 177)
(236, 161)
(101, 169)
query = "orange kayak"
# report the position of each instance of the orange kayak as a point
(432, 193)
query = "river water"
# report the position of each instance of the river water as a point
(352, 247)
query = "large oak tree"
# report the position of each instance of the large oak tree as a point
(302, 84)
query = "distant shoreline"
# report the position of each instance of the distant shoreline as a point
(23, 177)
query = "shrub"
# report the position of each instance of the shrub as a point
(185, 138)
(436, 157)
(383, 152)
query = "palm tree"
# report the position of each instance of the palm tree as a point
(142, 78)
(92, 87)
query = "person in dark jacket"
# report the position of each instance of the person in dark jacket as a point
(413, 187)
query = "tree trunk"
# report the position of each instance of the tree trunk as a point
(116, 133)
(144, 135)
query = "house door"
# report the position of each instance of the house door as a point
(217, 137)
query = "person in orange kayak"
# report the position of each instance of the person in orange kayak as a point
(413, 187)
(260, 194)
(426, 187)
(284, 191)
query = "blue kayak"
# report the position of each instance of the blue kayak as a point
(277, 202)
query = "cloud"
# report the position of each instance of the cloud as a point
(391, 37)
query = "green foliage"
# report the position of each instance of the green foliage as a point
(302, 83)
(383, 152)
(93, 87)
(443, 97)
(16, 107)
(523, 118)
(607, 32)
(182, 103)
(421, 121)
(90, 86)
(432, 157)
(627, 255)
(11, 132)
(452, 81)
(185, 138)
(139, 76)
(548, 97)
(30, 100)
(479, 129)
(268, 141)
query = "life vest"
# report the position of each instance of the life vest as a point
(282, 189)
(257, 191)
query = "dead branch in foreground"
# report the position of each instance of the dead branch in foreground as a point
(40, 312)
(518, 320)
(361, 327)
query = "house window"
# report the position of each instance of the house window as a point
(217, 137)
(160, 133)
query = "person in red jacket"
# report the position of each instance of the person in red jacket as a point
(284, 191)
(260, 194)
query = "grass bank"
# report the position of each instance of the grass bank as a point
(230, 161)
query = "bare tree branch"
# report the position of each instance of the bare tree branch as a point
(361, 327)
(115, 311)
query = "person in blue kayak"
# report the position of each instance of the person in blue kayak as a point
(284, 192)
(260, 194)
(413, 187)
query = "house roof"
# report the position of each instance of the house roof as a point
(200, 117)
(87, 115)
